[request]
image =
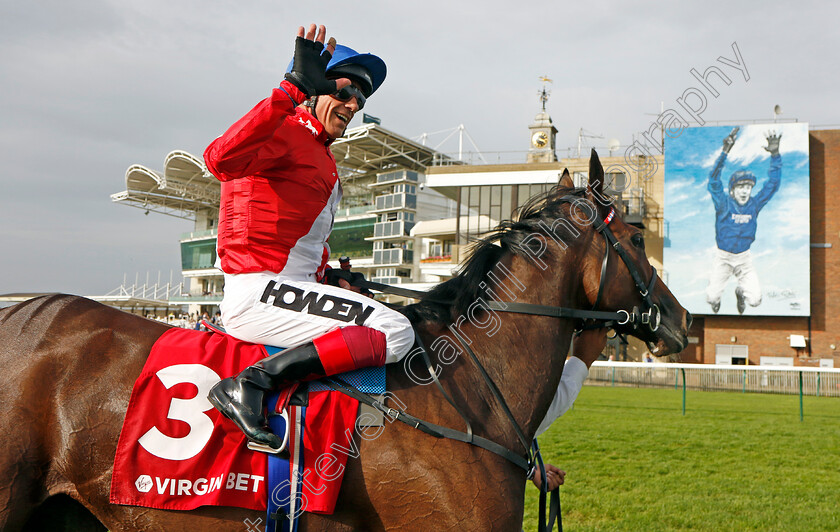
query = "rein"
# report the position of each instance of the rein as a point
(532, 460)
(636, 318)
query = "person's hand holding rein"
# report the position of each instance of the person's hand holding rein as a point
(310, 63)
(555, 475)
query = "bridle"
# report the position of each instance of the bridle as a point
(636, 318)
(649, 317)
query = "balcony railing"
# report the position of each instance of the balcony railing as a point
(353, 211)
(397, 228)
(633, 200)
(395, 177)
(387, 280)
(197, 298)
(396, 201)
(392, 257)
(437, 258)
(200, 235)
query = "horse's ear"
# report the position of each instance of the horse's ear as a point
(596, 175)
(566, 180)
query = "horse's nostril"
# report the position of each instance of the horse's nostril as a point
(688, 319)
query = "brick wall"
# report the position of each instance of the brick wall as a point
(825, 228)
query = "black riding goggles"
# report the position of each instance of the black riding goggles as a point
(344, 94)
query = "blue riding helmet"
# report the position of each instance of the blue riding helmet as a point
(741, 176)
(366, 69)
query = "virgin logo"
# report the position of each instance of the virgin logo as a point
(143, 483)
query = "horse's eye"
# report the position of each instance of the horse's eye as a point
(638, 241)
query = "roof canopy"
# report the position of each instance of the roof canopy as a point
(186, 186)
(370, 148)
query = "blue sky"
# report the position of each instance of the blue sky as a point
(781, 251)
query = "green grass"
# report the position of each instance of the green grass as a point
(733, 462)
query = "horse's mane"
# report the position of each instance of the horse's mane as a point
(446, 301)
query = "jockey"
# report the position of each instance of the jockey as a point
(280, 191)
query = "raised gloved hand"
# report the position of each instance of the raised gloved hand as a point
(773, 143)
(309, 65)
(729, 141)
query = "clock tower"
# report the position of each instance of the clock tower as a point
(542, 133)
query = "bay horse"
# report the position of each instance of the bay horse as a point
(69, 363)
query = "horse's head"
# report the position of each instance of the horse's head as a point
(619, 277)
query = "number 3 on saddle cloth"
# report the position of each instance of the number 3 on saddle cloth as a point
(177, 452)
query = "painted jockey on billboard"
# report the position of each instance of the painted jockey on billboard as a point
(736, 218)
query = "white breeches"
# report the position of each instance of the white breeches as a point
(270, 309)
(741, 266)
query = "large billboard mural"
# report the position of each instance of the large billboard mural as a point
(737, 207)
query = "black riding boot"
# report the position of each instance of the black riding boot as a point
(242, 398)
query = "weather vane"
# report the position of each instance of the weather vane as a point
(544, 93)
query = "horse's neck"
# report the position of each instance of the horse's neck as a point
(523, 355)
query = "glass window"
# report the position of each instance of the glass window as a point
(484, 209)
(524, 195)
(496, 195)
(474, 193)
(506, 203)
(495, 214)
(616, 181)
(198, 255)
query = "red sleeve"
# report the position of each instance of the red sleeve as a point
(253, 143)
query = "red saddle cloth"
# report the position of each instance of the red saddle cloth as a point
(177, 452)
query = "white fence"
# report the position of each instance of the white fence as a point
(824, 382)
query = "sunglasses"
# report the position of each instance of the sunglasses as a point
(344, 94)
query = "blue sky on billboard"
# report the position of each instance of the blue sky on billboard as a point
(780, 253)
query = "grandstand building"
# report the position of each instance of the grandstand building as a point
(409, 212)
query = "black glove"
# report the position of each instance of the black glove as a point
(729, 141)
(334, 274)
(309, 68)
(773, 143)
